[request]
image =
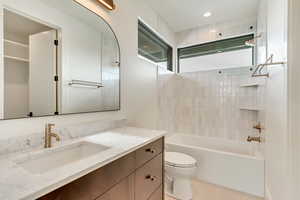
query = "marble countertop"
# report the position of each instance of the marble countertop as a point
(16, 183)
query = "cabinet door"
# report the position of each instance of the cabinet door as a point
(96, 183)
(149, 178)
(158, 194)
(122, 191)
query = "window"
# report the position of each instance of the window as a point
(221, 54)
(154, 48)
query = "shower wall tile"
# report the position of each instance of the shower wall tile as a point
(208, 103)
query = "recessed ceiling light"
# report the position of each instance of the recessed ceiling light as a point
(207, 14)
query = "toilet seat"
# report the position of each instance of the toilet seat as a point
(179, 160)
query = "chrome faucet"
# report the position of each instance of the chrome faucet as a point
(49, 134)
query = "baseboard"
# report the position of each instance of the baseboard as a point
(268, 194)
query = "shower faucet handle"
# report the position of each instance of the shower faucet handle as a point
(258, 127)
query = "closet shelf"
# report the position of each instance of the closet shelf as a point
(17, 43)
(16, 58)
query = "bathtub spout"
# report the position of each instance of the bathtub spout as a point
(254, 139)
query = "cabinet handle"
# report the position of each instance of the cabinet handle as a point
(151, 150)
(150, 177)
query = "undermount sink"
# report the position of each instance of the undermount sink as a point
(51, 159)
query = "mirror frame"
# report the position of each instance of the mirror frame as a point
(119, 51)
(59, 65)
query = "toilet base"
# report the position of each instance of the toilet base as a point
(180, 189)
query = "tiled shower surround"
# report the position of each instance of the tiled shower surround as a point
(207, 103)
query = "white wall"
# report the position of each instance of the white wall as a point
(262, 17)
(223, 60)
(294, 99)
(138, 77)
(276, 96)
(282, 158)
(208, 33)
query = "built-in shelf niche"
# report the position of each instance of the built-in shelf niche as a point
(256, 82)
(250, 108)
(252, 85)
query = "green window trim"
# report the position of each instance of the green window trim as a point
(153, 47)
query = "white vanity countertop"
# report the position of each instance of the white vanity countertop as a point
(18, 184)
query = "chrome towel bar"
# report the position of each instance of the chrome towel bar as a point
(86, 83)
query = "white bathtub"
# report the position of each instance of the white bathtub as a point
(230, 164)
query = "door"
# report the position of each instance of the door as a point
(42, 69)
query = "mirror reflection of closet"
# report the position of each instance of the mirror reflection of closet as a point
(29, 67)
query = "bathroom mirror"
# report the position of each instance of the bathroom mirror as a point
(58, 58)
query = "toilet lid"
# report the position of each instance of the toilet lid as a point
(179, 160)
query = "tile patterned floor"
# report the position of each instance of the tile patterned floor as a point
(205, 191)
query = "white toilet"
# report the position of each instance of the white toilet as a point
(180, 168)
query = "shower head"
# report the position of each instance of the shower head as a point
(253, 42)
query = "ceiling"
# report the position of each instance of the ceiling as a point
(22, 26)
(185, 14)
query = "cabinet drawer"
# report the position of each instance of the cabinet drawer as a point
(123, 191)
(148, 152)
(148, 178)
(158, 194)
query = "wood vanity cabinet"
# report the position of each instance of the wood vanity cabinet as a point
(136, 176)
